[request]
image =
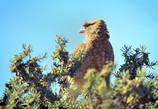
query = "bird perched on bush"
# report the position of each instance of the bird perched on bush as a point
(97, 53)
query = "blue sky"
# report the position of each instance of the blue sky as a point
(37, 22)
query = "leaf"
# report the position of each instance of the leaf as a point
(129, 99)
(89, 73)
(101, 87)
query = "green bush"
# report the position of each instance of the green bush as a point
(134, 87)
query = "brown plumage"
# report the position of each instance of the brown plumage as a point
(97, 53)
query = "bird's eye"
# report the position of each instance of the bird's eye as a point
(87, 25)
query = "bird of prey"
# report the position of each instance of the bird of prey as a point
(98, 52)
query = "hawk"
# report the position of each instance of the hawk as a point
(98, 52)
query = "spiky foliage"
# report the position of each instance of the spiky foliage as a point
(29, 87)
(96, 93)
(134, 85)
(133, 88)
(63, 64)
(134, 59)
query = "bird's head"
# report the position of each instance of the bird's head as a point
(95, 27)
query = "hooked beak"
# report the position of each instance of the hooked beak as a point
(82, 30)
